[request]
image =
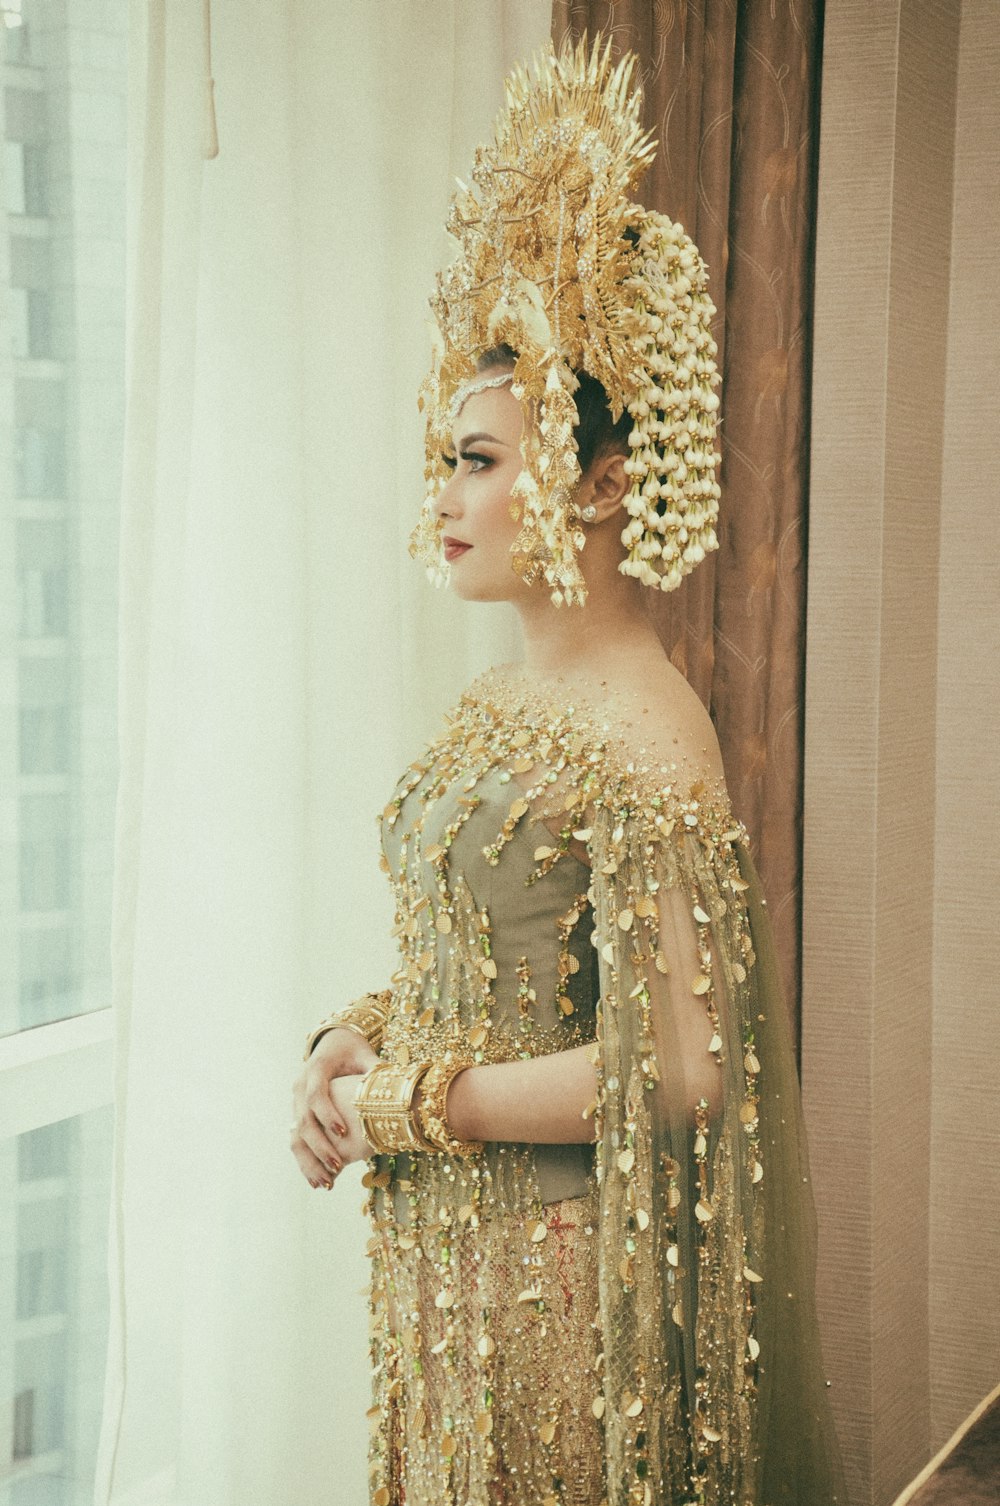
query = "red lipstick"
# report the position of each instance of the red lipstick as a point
(453, 548)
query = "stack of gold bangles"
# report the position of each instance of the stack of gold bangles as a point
(400, 1108)
(367, 1017)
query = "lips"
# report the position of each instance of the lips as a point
(453, 548)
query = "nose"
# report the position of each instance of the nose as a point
(448, 503)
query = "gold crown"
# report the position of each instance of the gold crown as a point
(558, 263)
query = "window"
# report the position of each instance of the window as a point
(62, 276)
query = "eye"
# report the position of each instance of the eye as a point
(476, 462)
(449, 460)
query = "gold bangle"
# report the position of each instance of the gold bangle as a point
(384, 1103)
(367, 1017)
(432, 1113)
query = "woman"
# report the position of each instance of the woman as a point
(592, 1248)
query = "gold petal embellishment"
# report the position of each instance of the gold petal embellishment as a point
(631, 1405)
(608, 952)
(662, 965)
(673, 1256)
(530, 1294)
(758, 1172)
(610, 866)
(626, 1160)
(753, 1348)
(488, 967)
(739, 972)
(478, 1037)
(547, 1432)
(518, 809)
(465, 1213)
(625, 918)
(522, 765)
(712, 1434)
(433, 853)
(541, 853)
(484, 1424)
(445, 1298)
(439, 1347)
(739, 884)
(426, 1017)
(673, 1198)
(381, 1496)
(520, 739)
(751, 1063)
(748, 1113)
(749, 1275)
(443, 922)
(584, 834)
(715, 1044)
(677, 1313)
(642, 1219)
(701, 984)
(703, 1210)
(539, 1232)
(646, 907)
(486, 1346)
(448, 1445)
(701, 917)
(406, 1241)
(597, 1407)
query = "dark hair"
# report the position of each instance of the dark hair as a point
(597, 432)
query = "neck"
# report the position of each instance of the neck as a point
(611, 625)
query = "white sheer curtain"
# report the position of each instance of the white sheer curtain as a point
(281, 660)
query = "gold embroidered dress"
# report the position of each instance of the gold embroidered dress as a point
(630, 1321)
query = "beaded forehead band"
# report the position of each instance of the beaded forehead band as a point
(469, 389)
(557, 262)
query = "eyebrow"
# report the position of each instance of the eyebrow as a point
(468, 439)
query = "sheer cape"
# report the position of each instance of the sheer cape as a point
(707, 1380)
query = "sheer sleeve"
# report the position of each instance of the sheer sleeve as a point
(712, 1385)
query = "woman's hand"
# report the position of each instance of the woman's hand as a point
(352, 1145)
(325, 1134)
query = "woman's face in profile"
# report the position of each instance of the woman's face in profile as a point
(474, 507)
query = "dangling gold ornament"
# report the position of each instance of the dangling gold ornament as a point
(557, 262)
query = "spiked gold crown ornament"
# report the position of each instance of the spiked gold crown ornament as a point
(556, 262)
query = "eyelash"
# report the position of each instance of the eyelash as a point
(485, 461)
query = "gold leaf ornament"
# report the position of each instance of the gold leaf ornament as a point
(544, 266)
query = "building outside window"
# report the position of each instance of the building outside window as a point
(62, 278)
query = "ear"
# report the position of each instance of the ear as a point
(604, 486)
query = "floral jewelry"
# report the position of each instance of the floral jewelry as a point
(557, 262)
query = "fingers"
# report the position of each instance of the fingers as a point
(318, 1160)
(321, 1105)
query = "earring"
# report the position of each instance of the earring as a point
(588, 513)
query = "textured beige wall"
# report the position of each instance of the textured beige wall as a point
(965, 1165)
(895, 791)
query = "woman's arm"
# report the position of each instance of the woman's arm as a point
(548, 1100)
(542, 1102)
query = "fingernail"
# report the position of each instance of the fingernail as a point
(327, 1185)
(341, 1129)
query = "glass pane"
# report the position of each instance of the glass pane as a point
(62, 285)
(55, 1185)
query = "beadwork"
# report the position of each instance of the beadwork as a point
(551, 1323)
(556, 261)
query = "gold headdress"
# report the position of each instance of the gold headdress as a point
(556, 262)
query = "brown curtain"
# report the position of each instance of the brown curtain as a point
(731, 91)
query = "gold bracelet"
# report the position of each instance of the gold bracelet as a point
(367, 1017)
(432, 1113)
(384, 1103)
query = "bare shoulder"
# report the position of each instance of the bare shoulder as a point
(668, 719)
